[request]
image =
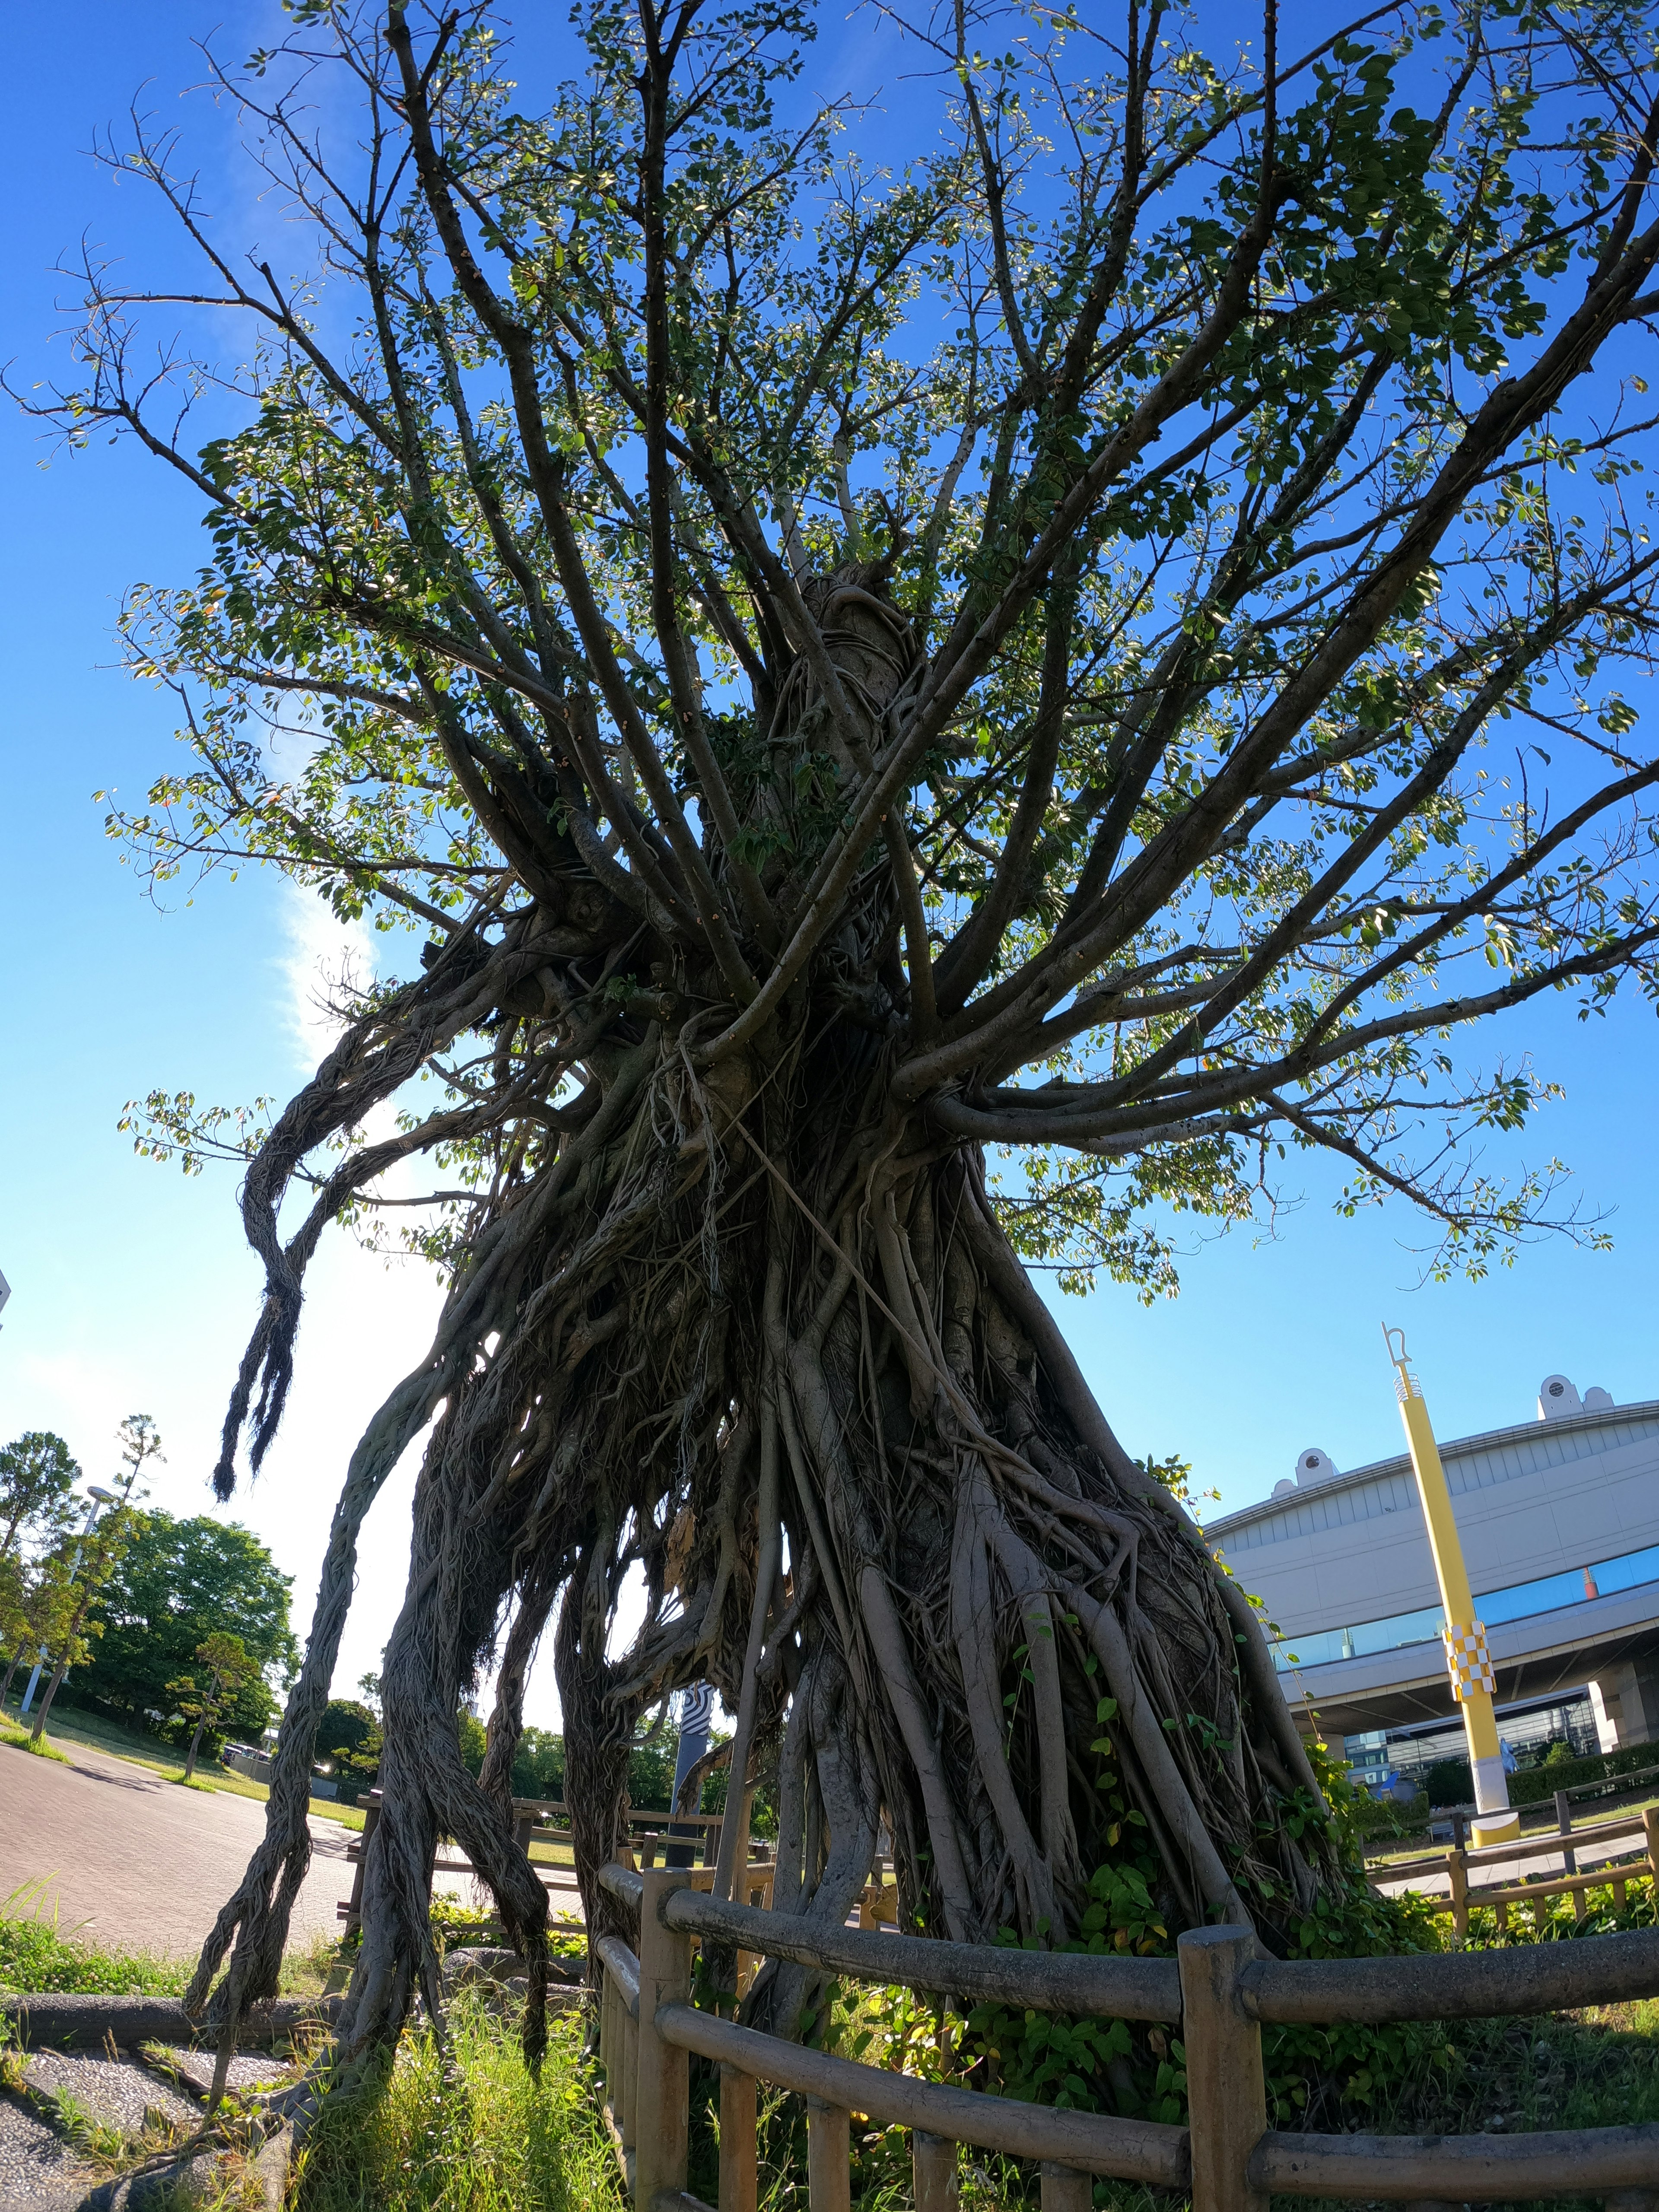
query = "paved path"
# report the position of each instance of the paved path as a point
(133, 1862)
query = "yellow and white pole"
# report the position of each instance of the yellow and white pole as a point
(1467, 1660)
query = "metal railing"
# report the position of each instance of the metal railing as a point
(1218, 1988)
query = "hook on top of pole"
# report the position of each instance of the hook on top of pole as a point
(1405, 1382)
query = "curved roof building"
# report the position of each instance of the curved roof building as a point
(1560, 1520)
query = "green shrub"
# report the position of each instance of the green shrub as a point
(1384, 1816)
(1448, 1781)
(1539, 1784)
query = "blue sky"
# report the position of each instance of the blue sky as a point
(133, 1288)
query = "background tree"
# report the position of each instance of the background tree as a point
(178, 1582)
(925, 711)
(37, 1606)
(224, 1667)
(349, 1739)
(538, 1765)
(37, 1475)
(88, 1561)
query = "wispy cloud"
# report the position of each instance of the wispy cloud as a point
(323, 961)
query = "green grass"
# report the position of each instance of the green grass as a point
(36, 1956)
(1535, 1821)
(464, 2130)
(37, 1747)
(1596, 2069)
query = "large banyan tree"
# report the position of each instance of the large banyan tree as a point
(929, 709)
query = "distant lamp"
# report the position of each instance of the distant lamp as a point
(104, 1497)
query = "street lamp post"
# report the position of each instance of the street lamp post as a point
(1467, 1660)
(100, 1497)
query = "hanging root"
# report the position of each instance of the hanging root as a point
(796, 1386)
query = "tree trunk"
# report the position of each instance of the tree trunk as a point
(766, 1314)
(61, 1667)
(993, 1630)
(195, 1746)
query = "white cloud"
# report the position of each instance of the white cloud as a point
(323, 959)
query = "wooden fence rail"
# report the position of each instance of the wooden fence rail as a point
(1458, 1863)
(703, 1836)
(1217, 1988)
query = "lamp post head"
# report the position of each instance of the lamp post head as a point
(104, 1497)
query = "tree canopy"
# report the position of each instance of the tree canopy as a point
(37, 1475)
(223, 1672)
(179, 1583)
(349, 1742)
(935, 689)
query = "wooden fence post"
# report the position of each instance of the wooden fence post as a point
(1569, 1856)
(1650, 1829)
(628, 2073)
(1064, 2189)
(739, 2187)
(829, 2157)
(371, 1808)
(1457, 1872)
(662, 2084)
(1226, 2093)
(933, 2169)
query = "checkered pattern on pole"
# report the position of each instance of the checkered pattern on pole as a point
(1469, 1661)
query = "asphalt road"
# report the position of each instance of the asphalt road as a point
(130, 1861)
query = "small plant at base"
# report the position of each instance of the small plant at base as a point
(100, 2139)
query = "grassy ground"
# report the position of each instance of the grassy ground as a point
(38, 1953)
(464, 2130)
(70, 1725)
(15, 1740)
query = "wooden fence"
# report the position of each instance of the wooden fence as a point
(1601, 1836)
(533, 1819)
(1217, 1989)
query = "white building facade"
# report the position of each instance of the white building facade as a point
(1560, 1520)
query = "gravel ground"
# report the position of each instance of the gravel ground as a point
(119, 2090)
(34, 2171)
(40, 2170)
(257, 2070)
